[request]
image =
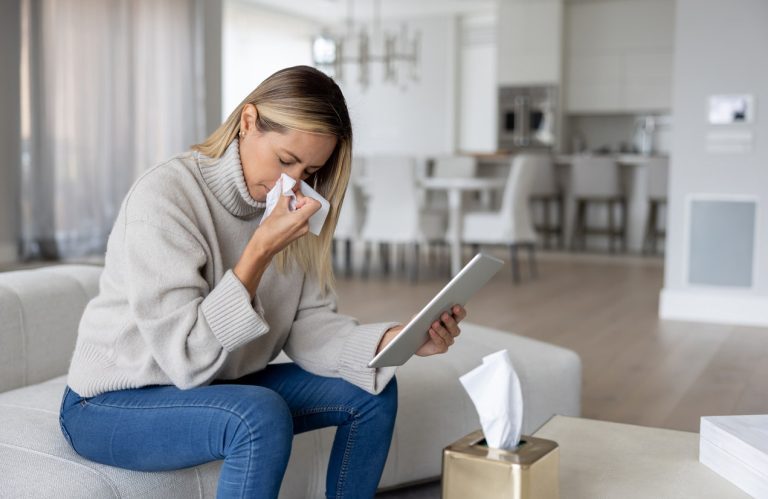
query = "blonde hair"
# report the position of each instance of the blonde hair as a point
(304, 99)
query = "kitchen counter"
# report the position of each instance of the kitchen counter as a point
(621, 158)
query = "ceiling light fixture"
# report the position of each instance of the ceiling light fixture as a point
(399, 51)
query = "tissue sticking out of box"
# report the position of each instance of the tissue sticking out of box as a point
(284, 186)
(494, 388)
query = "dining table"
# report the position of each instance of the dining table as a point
(455, 188)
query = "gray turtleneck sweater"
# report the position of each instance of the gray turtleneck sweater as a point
(170, 310)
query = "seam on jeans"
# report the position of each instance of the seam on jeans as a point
(350, 440)
(65, 433)
(187, 406)
(341, 481)
(101, 475)
(328, 408)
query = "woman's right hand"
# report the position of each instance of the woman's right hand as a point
(284, 226)
(278, 230)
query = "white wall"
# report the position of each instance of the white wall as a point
(719, 49)
(10, 133)
(419, 119)
(256, 43)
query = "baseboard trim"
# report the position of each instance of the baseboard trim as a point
(8, 253)
(714, 307)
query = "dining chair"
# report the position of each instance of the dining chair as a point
(511, 225)
(351, 217)
(657, 183)
(596, 181)
(393, 212)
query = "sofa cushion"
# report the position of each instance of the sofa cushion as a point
(434, 411)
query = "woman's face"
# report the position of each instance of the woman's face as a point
(267, 155)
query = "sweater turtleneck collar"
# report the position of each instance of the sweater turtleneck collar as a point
(224, 177)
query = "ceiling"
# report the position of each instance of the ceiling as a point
(335, 11)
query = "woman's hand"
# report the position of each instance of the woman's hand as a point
(442, 333)
(278, 230)
(284, 226)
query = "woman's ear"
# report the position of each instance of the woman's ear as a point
(248, 118)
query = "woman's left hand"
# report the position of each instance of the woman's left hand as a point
(442, 333)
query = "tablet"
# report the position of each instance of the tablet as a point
(471, 278)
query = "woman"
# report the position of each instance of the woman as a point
(171, 364)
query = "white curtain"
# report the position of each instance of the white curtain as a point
(110, 89)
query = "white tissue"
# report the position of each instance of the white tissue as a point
(494, 388)
(284, 186)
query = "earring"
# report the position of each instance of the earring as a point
(241, 134)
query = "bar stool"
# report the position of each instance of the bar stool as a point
(597, 181)
(658, 179)
(547, 198)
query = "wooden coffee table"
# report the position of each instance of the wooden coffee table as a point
(612, 460)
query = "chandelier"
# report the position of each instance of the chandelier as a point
(397, 52)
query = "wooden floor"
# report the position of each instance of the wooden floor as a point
(636, 368)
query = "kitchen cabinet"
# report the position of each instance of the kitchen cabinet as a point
(618, 56)
(529, 38)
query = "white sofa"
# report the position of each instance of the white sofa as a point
(39, 313)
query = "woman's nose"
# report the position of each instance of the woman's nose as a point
(296, 172)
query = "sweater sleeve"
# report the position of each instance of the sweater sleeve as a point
(189, 328)
(327, 343)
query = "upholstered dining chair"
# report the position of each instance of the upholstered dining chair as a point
(511, 225)
(351, 217)
(393, 211)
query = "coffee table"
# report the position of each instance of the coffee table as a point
(599, 459)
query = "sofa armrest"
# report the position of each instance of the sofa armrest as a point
(40, 311)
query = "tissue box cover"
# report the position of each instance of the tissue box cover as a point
(736, 448)
(472, 469)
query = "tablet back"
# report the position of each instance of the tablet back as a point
(471, 278)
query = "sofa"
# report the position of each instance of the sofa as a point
(39, 314)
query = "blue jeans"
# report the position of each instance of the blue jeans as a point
(248, 422)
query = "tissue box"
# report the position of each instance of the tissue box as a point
(472, 469)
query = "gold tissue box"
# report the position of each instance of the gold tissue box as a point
(471, 469)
